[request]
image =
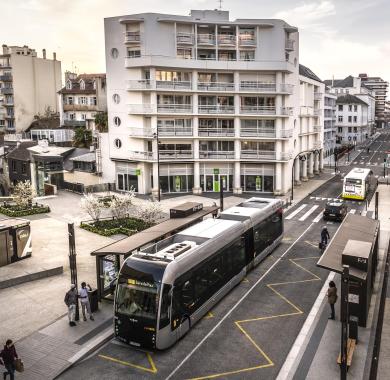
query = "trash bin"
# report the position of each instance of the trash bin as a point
(93, 300)
(353, 327)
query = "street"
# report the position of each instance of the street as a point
(249, 334)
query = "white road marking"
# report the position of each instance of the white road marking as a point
(318, 218)
(299, 209)
(318, 198)
(364, 212)
(353, 211)
(324, 199)
(312, 197)
(235, 306)
(303, 217)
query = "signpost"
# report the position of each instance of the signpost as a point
(72, 261)
(344, 316)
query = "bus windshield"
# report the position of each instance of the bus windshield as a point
(137, 300)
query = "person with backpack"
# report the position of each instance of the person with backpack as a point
(71, 302)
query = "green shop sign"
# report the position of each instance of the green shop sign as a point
(216, 171)
(137, 172)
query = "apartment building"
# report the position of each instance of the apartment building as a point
(28, 86)
(330, 118)
(379, 86)
(200, 100)
(82, 97)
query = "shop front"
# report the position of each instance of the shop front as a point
(127, 177)
(211, 175)
(176, 178)
(257, 178)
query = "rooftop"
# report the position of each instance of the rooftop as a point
(350, 99)
(306, 72)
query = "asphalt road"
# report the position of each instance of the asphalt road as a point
(248, 335)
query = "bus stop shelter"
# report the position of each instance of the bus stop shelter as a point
(355, 244)
(110, 257)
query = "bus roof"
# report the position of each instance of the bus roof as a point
(358, 173)
(208, 228)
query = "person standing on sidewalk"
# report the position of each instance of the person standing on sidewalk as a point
(71, 301)
(7, 358)
(332, 298)
(84, 300)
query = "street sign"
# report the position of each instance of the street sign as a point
(137, 172)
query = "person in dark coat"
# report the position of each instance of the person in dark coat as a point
(332, 298)
(325, 236)
(7, 358)
(71, 302)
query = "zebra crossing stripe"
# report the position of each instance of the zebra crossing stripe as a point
(317, 218)
(364, 212)
(318, 198)
(299, 209)
(353, 211)
(303, 217)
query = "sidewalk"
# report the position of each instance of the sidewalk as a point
(48, 352)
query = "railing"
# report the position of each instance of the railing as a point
(257, 132)
(6, 78)
(74, 123)
(286, 111)
(215, 109)
(175, 131)
(285, 133)
(140, 84)
(216, 86)
(175, 154)
(132, 37)
(141, 155)
(79, 107)
(211, 58)
(174, 85)
(247, 40)
(257, 86)
(317, 112)
(258, 154)
(142, 108)
(9, 116)
(261, 110)
(16, 137)
(7, 91)
(216, 132)
(185, 38)
(287, 88)
(216, 155)
(226, 39)
(306, 111)
(318, 96)
(317, 144)
(174, 108)
(206, 39)
(289, 44)
(317, 128)
(140, 132)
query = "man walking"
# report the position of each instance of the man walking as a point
(84, 300)
(332, 298)
(7, 358)
(71, 301)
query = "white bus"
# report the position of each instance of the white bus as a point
(357, 183)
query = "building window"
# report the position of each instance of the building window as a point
(184, 53)
(114, 53)
(340, 129)
(68, 85)
(117, 121)
(83, 116)
(72, 116)
(116, 98)
(70, 100)
(355, 107)
(349, 129)
(340, 119)
(355, 129)
(118, 143)
(2, 123)
(83, 100)
(350, 107)
(93, 101)
(82, 85)
(247, 55)
(355, 119)
(133, 53)
(349, 119)
(94, 85)
(13, 166)
(24, 168)
(340, 107)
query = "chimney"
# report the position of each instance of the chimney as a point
(54, 56)
(44, 53)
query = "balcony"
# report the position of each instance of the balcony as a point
(142, 108)
(170, 155)
(258, 110)
(318, 96)
(227, 40)
(317, 112)
(265, 155)
(9, 116)
(141, 84)
(289, 44)
(174, 108)
(141, 156)
(206, 39)
(215, 86)
(184, 38)
(7, 91)
(306, 111)
(216, 132)
(317, 128)
(286, 88)
(215, 109)
(318, 145)
(141, 132)
(74, 123)
(173, 85)
(214, 155)
(257, 132)
(6, 78)
(175, 131)
(79, 107)
(257, 86)
(247, 40)
(132, 37)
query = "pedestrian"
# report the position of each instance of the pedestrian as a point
(71, 301)
(84, 300)
(332, 298)
(324, 236)
(7, 358)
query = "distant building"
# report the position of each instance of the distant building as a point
(82, 97)
(28, 86)
(330, 118)
(380, 86)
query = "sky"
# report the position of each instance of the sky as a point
(337, 37)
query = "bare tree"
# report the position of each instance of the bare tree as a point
(23, 194)
(92, 206)
(150, 211)
(120, 207)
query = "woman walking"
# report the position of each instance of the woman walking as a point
(332, 298)
(7, 358)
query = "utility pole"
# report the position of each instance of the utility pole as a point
(221, 193)
(344, 316)
(72, 262)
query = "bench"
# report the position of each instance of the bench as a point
(350, 349)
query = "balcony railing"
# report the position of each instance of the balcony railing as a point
(175, 131)
(318, 145)
(257, 132)
(317, 112)
(216, 132)
(140, 132)
(247, 40)
(259, 110)
(132, 37)
(142, 108)
(287, 88)
(173, 85)
(257, 86)
(227, 40)
(216, 86)
(174, 108)
(265, 155)
(206, 39)
(215, 109)
(79, 107)
(306, 111)
(318, 96)
(7, 91)
(289, 44)
(214, 155)
(6, 78)
(175, 154)
(184, 38)
(141, 155)
(317, 128)
(74, 123)
(140, 84)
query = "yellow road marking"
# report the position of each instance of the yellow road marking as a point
(152, 368)
(311, 243)
(244, 280)
(208, 315)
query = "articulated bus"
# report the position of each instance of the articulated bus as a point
(164, 289)
(357, 183)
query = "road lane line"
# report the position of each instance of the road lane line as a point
(303, 217)
(318, 217)
(299, 209)
(235, 306)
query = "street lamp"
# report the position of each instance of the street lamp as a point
(155, 136)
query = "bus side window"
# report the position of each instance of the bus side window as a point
(165, 306)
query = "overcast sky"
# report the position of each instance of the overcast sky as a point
(337, 37)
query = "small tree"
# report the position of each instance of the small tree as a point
(120, 207)
(150, 211)
(101, 122)
(23, 194)
(82, 137)
(92, 206)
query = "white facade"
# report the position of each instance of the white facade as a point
(330, 118)
(28, 86)
(223, 97)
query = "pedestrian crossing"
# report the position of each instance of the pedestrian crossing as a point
(313, 213)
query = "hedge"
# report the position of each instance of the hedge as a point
(109, 227)
(15, 211)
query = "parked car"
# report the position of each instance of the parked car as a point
(335, 211)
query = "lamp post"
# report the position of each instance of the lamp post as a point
(155, 136)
